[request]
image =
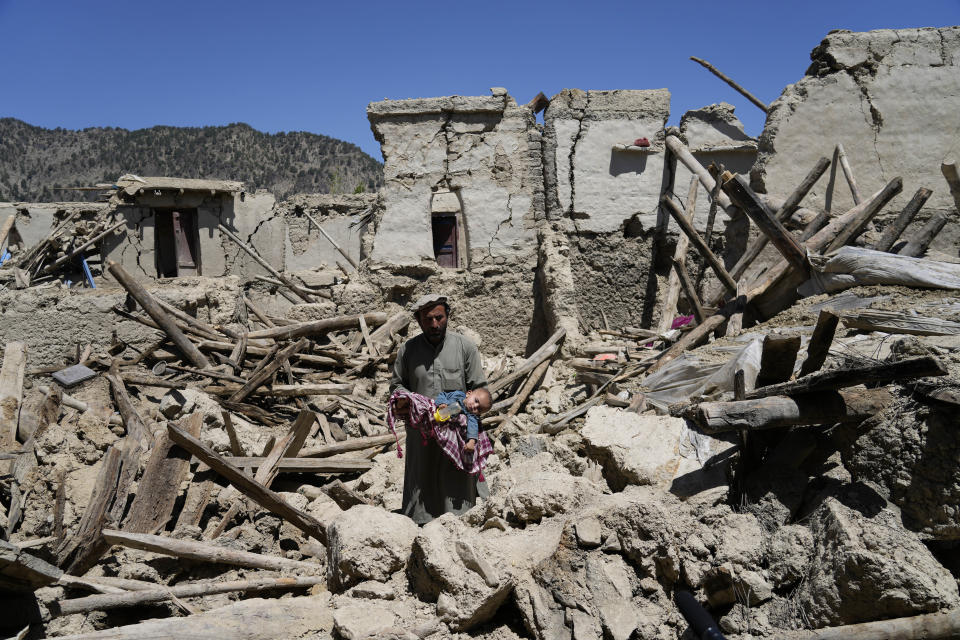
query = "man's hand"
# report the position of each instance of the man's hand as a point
(470, 446)
(402, 406)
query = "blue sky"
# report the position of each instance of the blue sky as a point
(314, 66)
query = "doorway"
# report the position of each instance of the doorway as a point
(177, 243)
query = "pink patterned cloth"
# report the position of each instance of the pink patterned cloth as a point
(450, 435)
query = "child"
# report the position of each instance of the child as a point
(473, 403)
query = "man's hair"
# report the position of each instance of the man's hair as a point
(486, 400)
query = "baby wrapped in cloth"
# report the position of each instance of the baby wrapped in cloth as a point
(450, 435)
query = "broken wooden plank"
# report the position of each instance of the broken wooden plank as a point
(351, 444)
(689, 290)
(735, 323)
(917, 246)
(95, 515)
(546, 350)
(820, 341)
(159, 316)
(316, 328)
(682, 153)
(264, 497)
(778, 359)
(158, 486)
(826, 408)
(899, 322)
(77, 251)
(23, 572)
(106, 601)
(197, 499)
(132, 421)
(204, 552)
(700, 245)
(881, 372)
(895, 229)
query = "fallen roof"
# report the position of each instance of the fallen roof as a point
(131, 184)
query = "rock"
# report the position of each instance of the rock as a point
(589, 533)
(371, 590)
(366, 620)
(367, 543)
(179, 402)
(383, 484)
(633, 448)
(866, 566)
(741, 540)
(788, 555)
(609, 585)
(452, 564)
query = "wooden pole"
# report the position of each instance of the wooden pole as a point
(848, 174)
(679, 255)
(829, 407)
(856, 226)
(689, 290)
(883, 372)
(306, 465)
(105, 601)
(820, 342)
(353, 444)
(317, 327)
(930, 626)
(263, 263)
(896, 229)
(788, 208)
(700, 245)
(735, 323)
(247, 485)
(155, 311)
(743, 196)
(918, 245)
(683, 154)
(546, 350)
(204, 552)
(336, 246)
(736, 87)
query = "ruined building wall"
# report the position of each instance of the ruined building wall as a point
(892, 98)
(477, 158)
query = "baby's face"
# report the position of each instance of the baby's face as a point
(476, 403)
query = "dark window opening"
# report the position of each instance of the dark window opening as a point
(177, 243)
(446, 240)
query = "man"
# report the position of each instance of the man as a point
(435, 361)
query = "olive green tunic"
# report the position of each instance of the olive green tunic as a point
(432, 484)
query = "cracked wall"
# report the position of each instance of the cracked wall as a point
(891, 97)
(486, 150)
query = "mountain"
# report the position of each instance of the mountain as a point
(35, 161)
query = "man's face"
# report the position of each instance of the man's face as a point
(433, 323)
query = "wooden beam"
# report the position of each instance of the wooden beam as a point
(155, 311)
(546, 351)
(263, 263)
(103, 602)
(689, 290)
(918, 245)
(778, 359)
(679, 255)
(682, 153)
(826, 408)
(204, 552)
(899, 322)
(290, 390)
(790, 205)
(352, 444)
(882, 372)
(158, 486)
(316, 328)
(929, 626)
(857, 225)
(700, 245)
(743, 196)
(266, 498)
(70, 256)
(897, 227)
(308, 464)
(333, 242)
(820, 341)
